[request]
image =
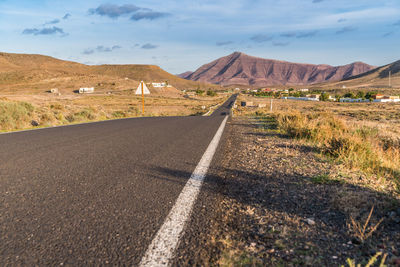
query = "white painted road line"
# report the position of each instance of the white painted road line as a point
(161, 249)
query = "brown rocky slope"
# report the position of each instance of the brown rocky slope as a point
(241, 69)
(21, 71)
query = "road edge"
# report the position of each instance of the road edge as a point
(161, 250)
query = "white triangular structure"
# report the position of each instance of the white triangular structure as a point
(145, 89)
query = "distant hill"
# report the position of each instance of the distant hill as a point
(36, 72)
(185, 74)
(375, 78)
(241, 69)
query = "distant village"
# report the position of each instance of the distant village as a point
(90, 90)
(306, 94)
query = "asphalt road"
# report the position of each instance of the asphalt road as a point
(95, 194)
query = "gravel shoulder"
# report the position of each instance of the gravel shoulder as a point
(273, 201)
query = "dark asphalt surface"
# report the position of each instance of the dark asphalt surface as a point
(95, 194)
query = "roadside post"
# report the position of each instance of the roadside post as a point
(142, 99)
(142, 90)
(271, 104)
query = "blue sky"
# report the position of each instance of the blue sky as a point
(183, 35)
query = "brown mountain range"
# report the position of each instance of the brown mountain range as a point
(387, 76)
(241, 69)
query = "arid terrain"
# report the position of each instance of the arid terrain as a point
(37, 73)
(26, 100)
(285, 201)
(306, 183)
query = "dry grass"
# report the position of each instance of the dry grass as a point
(47, 110)
(371, 261)
(363, 232)
(356, 147)
(14, 115)
(361, 136)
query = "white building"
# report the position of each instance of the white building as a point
(160, 85)
(385, 100)
(301, 98)
(86, 90)
(304, 90)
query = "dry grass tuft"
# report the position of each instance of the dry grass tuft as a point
(357, 147)
(14, 114)
(371, 261)
(363, 232)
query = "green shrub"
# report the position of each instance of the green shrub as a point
(15, 115)
(118, 114)
(84, 115)
(70, 118)
(211, 93)
(199, 92)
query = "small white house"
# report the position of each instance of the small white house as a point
(304, 90)
(86, 90)
(159, 85)
(385, 100)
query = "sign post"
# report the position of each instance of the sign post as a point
(142, 90)
(142, 100)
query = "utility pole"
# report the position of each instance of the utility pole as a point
(390, 78)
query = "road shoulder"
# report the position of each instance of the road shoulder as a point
(266, 202)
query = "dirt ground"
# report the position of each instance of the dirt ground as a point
(276, 207)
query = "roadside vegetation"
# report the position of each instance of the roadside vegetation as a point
(14, 115)
(41, 111)
(324, 95)
(359, 147)
(314, 184)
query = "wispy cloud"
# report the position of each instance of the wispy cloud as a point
(137, 13)
(341, 20)
(149, 46)
(104, 49)
(66, 16)
(288, 35)
(101, 49)
(307, 34)
(317, 1)
(388, 34)
(44, 31)
(346, 30)
(261, 38)
(222, 43)
(150, 15)
(113, 11)
(397, 23)
(88, 51)
(54, 21)
(280, 43)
